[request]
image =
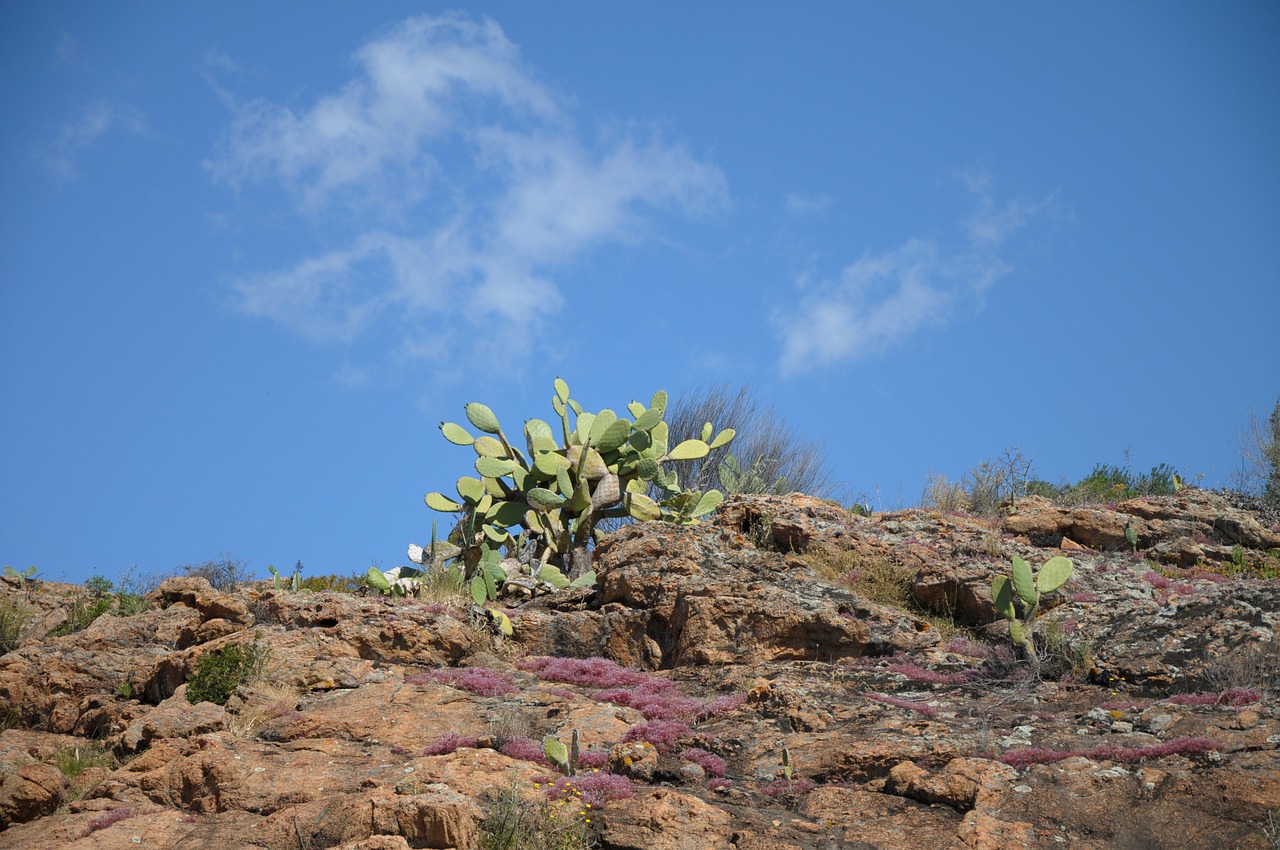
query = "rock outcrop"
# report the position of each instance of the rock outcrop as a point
(729, 689)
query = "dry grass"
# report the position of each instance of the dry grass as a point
(880, 580)
(267, 701)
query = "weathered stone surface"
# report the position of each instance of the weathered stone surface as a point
(31, 792)
(665, 820)
(894, 733)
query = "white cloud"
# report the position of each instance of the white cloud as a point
(456, 182)
(85, 129)
(883, 298)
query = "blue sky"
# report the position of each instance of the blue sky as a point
(252, 254)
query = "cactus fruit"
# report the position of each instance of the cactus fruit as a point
(1027, 589)
(608, 466)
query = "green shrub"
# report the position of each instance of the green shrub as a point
(218, 674)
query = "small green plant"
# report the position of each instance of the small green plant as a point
(14, 618)
(21, 577)
(1028, 589)
(556, 494)
(522, 818)
(74, 760)
(218, 674)
(125, 691)
(99, 586)
(786, 764)
(1131, 535)
(293, 582)
(82, 611)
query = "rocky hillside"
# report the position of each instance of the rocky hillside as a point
(762, 681)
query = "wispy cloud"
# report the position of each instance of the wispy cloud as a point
(452, 184)
(85, 130)
(798, 204)
(880, 299)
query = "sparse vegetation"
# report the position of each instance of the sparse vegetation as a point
(878, 579)
(218, 674)
(522, 818)
(75, 760)
(994, 486)
(333, 581)
(1260, 456)
(14, 618)
(227, 573)
(82, 609)
(768, 456)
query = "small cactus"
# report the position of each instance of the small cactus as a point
(1028, 589)
(20, 576)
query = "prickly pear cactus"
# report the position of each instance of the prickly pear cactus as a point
(1020, 583)
(555, 486)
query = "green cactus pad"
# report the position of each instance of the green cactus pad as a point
(378, 580)
(1023, 582)
(442, 503)
(582, 432)
(482, 417)
(1054, 574)
(552, 576)
(506, 514)
(707, 431)
(564, 481)
(659, 401)
(647, 469)
(600, 424)
(635, 407)
(489, 447)
(708, 502)
(642, 508)
(492, 467)
(647, 419)
(562, 391)
(585, 580)
(689, 450)
(614, 437)
(1002, 596)
(723, 438)
(470, 489)
(549, 463)
(479, 591)
(502, 621)
(556, 752)
(456, 434)
(543, 499)
(1017, 632)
